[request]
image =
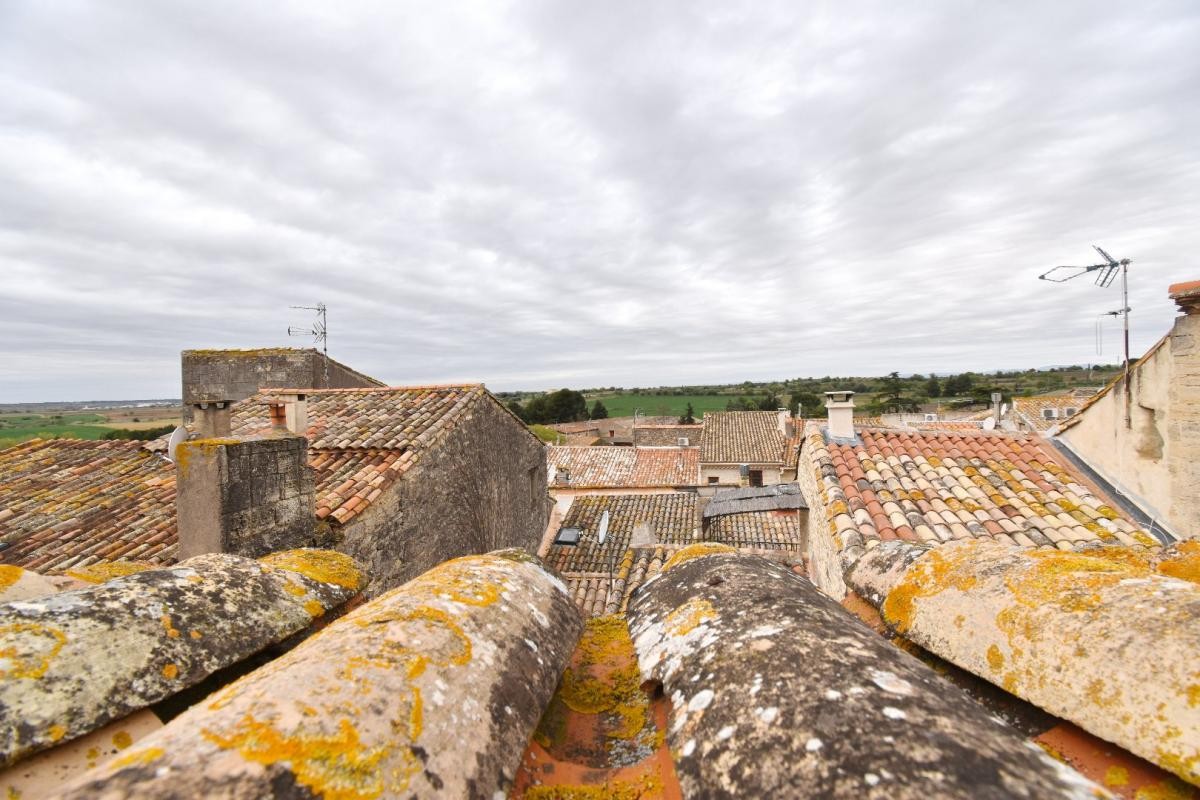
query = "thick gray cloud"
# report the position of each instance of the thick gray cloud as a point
(584, 194)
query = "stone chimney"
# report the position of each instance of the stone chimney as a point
(840, 406)
(289, 410)
(212, 417)
(786, 426)
(248, 496)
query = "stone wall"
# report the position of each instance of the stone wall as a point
(730, 475)
(482, 488)
(821, 553)
(245, 496)
(237, 374)
(1155, 461)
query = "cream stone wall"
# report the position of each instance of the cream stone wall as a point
(730, 474)
(821, 553)
(1154, 461)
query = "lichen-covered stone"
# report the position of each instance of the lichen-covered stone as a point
(74, 661)
(1107, 638)
(430, 690)
(877, 571)
(776, 691)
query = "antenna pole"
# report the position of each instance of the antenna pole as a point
(325, 342)
(1125, 314)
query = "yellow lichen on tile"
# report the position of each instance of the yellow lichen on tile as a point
(122, 739)
(334, 766)
(9, 575)
(685, 619)
(138, 758)
(696, 551)
(323, 566)
(29, 648)
(107, 570)
(932, 574)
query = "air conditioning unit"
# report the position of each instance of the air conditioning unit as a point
(1049, 413)
(1070, 412)
(931, 417)
(683, 441)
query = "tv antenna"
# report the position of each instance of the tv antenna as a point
(1105, 274)
(318, 332)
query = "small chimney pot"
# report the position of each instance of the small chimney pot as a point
(840, 405)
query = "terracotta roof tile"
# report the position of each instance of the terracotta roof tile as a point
(624, 467)
(935, 487)
(672, 519)
(760, 530)
(69, 502)
(666, 435)
(1045, 412)
(742, 437)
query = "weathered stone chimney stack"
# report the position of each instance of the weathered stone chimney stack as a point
(213, 417)
(840, 406)
(246, 495)
(786, 426)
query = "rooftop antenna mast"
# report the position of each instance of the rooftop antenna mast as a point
(319, 333)
(1105, 274)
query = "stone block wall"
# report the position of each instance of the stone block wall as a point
(1183, 425)
(244, 496)
(482, 488)
(237, 374)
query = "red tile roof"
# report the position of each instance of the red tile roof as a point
(932, 488)
(67, 503)
(625, 467)
(742, 437)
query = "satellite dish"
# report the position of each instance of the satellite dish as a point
(1004, 409)
(602, 531)
(989, 424)
(178, 435)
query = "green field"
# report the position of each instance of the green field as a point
(17, 428)
(652, 405)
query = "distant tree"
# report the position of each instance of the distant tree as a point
(688, 417)
(515, 407)
(769, 402)
(537, 411)
(932, 387)
(599, 411)
(566, 405)
(809, 404)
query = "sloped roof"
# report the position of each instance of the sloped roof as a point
(938, 487)
(392, 418)
(672, 519)
(68, 503)
(666, 435)
(625, 467)
(755, 498)
(759, 530)
(742, 437)
(1031, 410)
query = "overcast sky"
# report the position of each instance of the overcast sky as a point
(587, 193)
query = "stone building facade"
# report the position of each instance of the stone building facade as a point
(482, 488)
(1154, 460)
(234, 375)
